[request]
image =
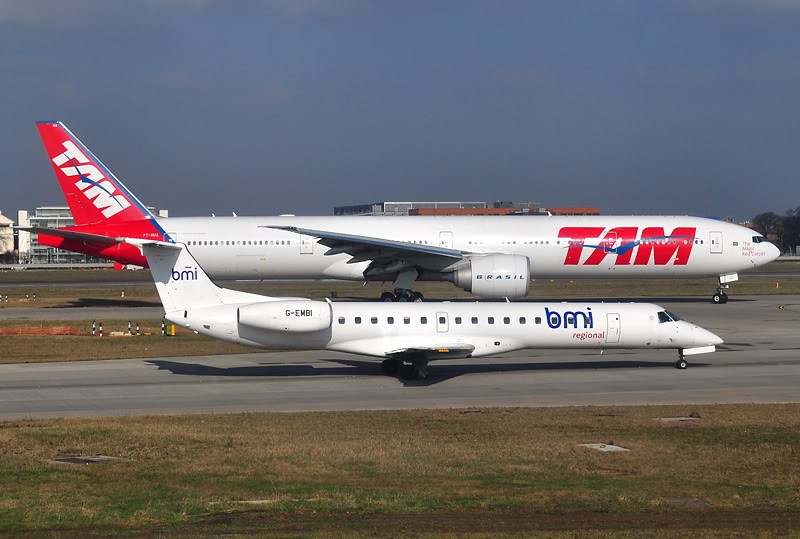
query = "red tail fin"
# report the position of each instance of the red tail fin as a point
(93, 193)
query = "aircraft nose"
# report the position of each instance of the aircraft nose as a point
(705, 337)
(773, 252)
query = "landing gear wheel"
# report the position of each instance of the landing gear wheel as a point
(391, 366)
(409, 372)
(681, 363)
(717, 298)
(388, 297)
(403, 297)
(417, 297)
(724, 297)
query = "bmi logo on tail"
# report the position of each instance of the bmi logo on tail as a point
(184, 275)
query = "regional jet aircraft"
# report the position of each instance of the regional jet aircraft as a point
(490, 256)
(407, 335)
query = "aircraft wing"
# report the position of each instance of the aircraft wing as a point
(380, 251)
(430, 353)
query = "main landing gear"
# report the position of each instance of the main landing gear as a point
(681, 363)
(402, 295)
(418, 368)
(720, 297)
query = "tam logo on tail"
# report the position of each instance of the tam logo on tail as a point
(100, 193)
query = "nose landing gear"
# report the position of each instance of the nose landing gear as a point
(722, 284)
(681, 363)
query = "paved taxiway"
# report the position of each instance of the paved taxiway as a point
(760, 362)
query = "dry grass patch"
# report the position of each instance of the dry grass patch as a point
(189, 468)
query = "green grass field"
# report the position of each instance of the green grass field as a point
(486, 472)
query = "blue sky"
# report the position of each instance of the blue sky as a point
(200, 106)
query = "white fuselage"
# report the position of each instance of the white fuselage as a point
(569, 247)
(377, 329)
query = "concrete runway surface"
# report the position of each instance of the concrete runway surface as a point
(759, 362)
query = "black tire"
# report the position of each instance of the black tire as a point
(409, 372)
(681, 364)
(724, 297)
(717, 298)
(417, 297)
(402, 297)
(390, 366)
(388, 297)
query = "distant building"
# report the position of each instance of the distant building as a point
(29, 250)
(401, 208)
(6, 237)
(498, 207)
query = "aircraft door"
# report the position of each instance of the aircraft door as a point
(612, 335)
(446, 239)
(442, 323)
(715, 242)
(306, 245)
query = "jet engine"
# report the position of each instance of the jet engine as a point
(295, 316)
(495, 276)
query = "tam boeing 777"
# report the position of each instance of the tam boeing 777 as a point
(489, 256)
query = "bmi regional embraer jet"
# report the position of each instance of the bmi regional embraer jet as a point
(407, 335)
(490, 256)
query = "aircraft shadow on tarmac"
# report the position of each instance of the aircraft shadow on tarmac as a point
(439, 372)
(99, 302)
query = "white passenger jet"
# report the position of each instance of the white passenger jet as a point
(408, 333)
(490, 256)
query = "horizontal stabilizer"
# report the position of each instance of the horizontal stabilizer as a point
(69, 234)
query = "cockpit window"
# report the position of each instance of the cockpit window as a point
(759, 239)
(666, 316)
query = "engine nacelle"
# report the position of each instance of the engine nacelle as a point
(495, 276)
(295, 315)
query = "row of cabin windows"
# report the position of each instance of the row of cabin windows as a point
(442, 320)
(247, 242)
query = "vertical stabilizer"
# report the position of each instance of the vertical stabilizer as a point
(181, 283)
(93, 193)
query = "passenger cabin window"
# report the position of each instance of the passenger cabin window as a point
(390, 320)
(423, 320)
(522, 320)
(538, 320)
(358, 319)
(374, 320)
(341, 319)
(406, 320)
(474, 319)
(570, 319)
(442, 319)
(458, 319)
(491, 320)
(506, 320)
(554, 321)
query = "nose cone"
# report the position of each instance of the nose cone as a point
(772, 253)
(703, 337)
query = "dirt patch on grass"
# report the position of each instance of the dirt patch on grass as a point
(45, 330)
